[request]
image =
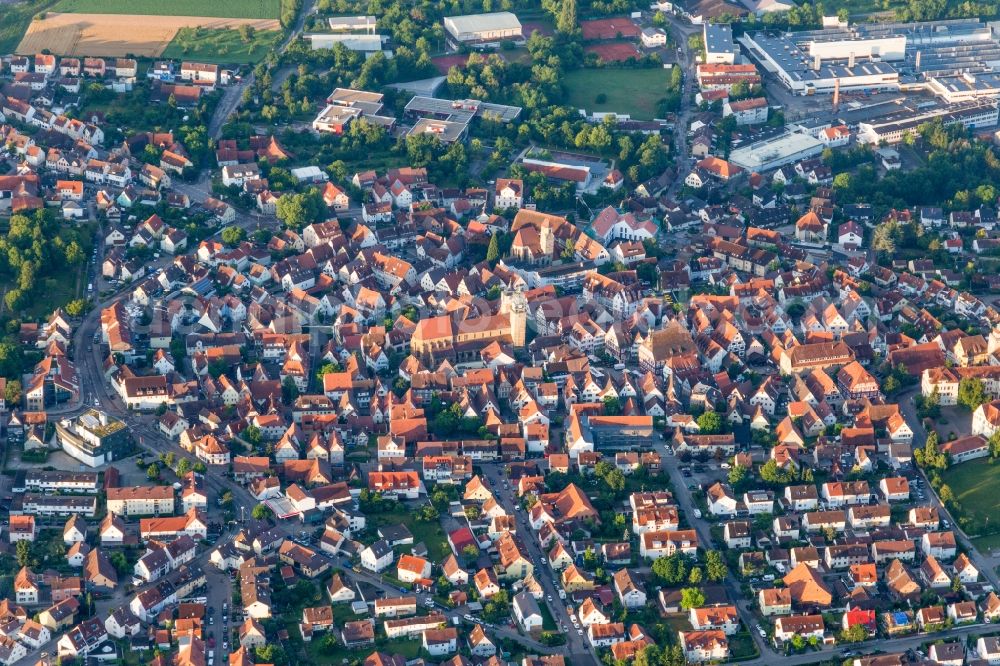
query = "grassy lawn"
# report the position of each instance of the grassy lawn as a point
(635, 92)
(222, 46)
(258, 9)
(678, 622)
(987, 543)
(14, 21)
(430, 534)
(975, 487)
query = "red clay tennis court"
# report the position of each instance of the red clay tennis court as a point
(609, 28)
(613, 51)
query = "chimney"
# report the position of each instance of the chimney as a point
(917, 63)
(836, 95)
(817, 61)
(850, 60)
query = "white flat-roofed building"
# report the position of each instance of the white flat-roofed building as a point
(965, 87)
(335, 119)
(445, 130)
(893, 128)
(352, 24)
(785, 148)
(653, 37)
(886, 48)
(363, 43)
(817, 66)
(483, 29)
(719, 46)
(751, 111)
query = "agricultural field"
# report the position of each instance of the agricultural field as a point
(251, 9)
(221, 46)
(117, 35)
(636, 92)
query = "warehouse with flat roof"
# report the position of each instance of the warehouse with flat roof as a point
(880, 56)
(789, 146)
(483, 29)
(892, 128)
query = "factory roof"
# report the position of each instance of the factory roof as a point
(759, 155)
(718, 38)
(473, 23)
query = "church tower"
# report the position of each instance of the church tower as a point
(515, 306)
(547, 240)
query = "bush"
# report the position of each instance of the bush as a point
(601, 99)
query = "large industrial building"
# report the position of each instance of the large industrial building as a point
(809, 66)
(891, 129)
(883, 56)
(483, 29)
(791, 145)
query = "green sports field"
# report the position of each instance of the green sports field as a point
(975, 486)
(223, 47)
(636, 92)
(252, 9)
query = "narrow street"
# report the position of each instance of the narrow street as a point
(578, 647)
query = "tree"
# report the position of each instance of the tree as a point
(946, 494)
(252, 434)
(929, 407)
(771, 473)
(569, 250)
(737, 474)
(297, 210)
(12, 393)
(233, 236)
(884, 238)
(692, 597)
(119, 561)
(23, 551)
(183, 466)
(672, 570)
(271, 653)
(493, 251)
(246, 32)
(995, 444)
(715, 566)
(289, 390)
(710, 423)
(566, 21)
(612, 406)
(153, 472)
(695, 576)
(261, 512)
(972, 393)
(615, 480)
(930, 456)
(76, 307)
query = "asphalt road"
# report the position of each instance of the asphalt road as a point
(578, 647)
